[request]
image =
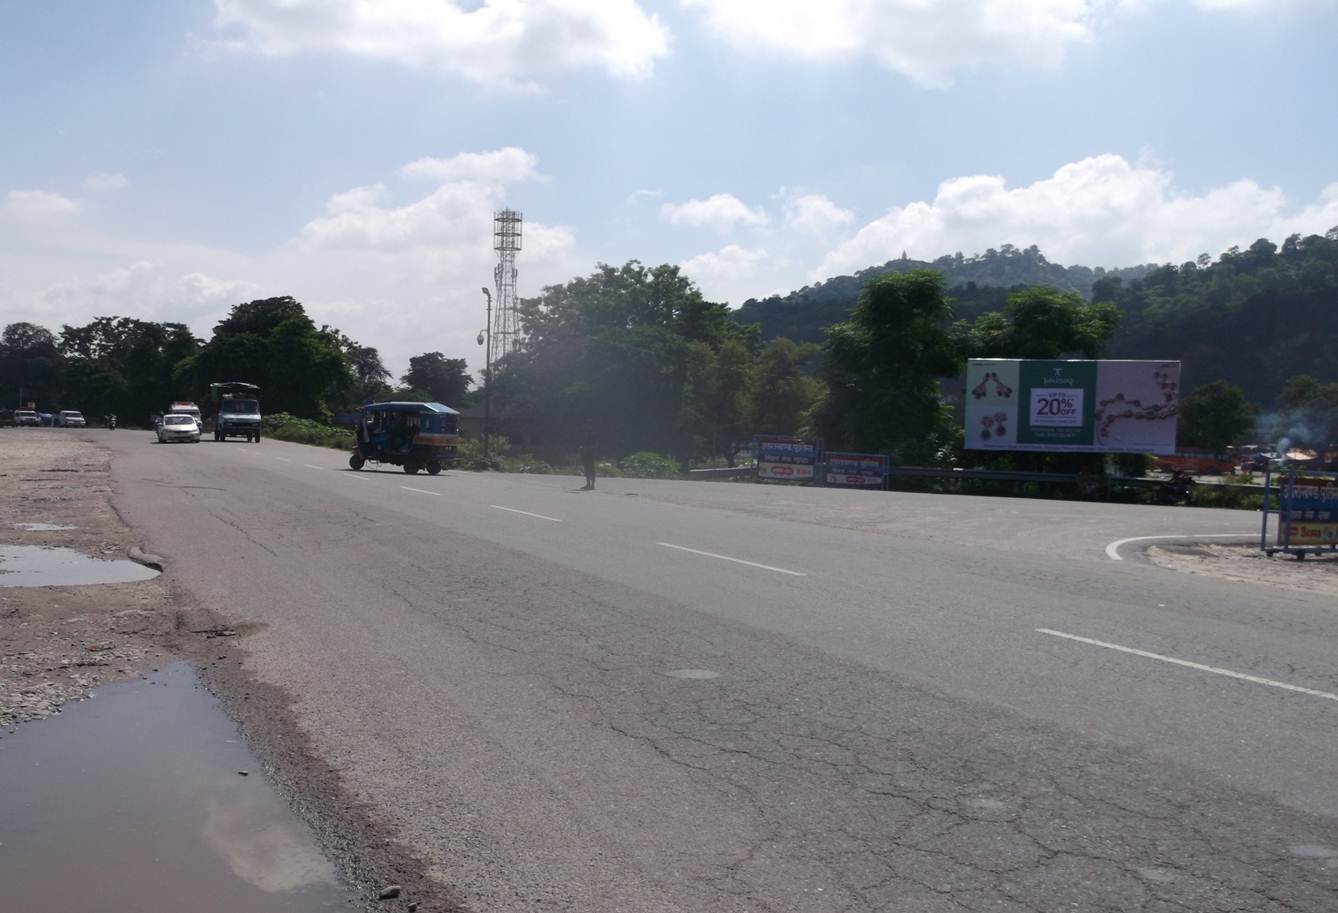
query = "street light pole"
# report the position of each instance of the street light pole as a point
(487, 376)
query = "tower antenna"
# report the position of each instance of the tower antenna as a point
(506, 231)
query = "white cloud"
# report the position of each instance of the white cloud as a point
(39, 204)
(814, 213)
(1098, 211)
(926, 41)
(501, 165)
(930, 41)
(105, 182)
(725, 274)
(202, 289)
(493, 42)
(379, 250)
(722, 212)
(357, 218)
(148, 289)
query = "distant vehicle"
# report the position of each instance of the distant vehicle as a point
(7, 419)
(70, 418)
(238, 411)
(413, 435)
(27, 417)
(180, 407)
(179, 427)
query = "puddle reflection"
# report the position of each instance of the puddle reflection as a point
(36, 565)
(132, 801)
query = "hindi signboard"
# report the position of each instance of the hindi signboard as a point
(856, 470)
(787, 459)
(1072, 405)
(1308, 511)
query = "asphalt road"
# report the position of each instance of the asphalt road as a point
(677, 696)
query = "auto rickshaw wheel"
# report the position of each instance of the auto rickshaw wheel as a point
(356, 462)
(433, 468)
(411, 467)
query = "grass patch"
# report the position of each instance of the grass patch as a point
(284, 427)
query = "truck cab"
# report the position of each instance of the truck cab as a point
(238, 411)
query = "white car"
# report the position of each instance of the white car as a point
(69, 418)
(179, 428)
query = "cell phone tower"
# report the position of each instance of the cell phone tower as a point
(505, 319)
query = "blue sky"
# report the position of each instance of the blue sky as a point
(169, 159)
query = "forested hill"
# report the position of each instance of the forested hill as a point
(1254, 318)
(978, 284)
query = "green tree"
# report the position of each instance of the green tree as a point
(882, 369)
(1308, 412)
(1215, 416)
(444, 379)
(274, 344)
(1041, 323)
(125, 365)
(638, 351)
(780, 392)
(31, 367)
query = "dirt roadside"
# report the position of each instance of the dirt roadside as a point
(1247, 564)
(59, 643)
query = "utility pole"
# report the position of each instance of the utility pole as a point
(487, 374)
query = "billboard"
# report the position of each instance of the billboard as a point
(856, 470)
(1072, 405)
(787, 459)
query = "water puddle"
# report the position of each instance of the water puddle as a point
(36, 565)
(133, 801)
(43, 527)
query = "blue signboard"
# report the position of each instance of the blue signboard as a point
(856, 470)
(787, 459)
(1308, 510)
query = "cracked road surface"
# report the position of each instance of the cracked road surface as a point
(570, 716)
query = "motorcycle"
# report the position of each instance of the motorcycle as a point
(1178, 489)
(111, 423)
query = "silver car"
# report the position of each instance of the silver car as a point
(178, 428)
(70, 418)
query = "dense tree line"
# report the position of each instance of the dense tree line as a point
(133, 368)
(977, 285)
(1253, 318)
(641, 354)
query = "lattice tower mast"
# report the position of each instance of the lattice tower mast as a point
(506, 232)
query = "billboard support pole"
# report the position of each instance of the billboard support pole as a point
(1263, 529)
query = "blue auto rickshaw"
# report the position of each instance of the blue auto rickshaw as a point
(413, 435)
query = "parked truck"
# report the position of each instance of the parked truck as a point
(238, 410)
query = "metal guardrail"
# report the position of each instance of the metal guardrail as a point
(723, 472)
(982, 475)
(990, 475)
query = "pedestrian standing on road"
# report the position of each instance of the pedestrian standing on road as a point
(588, 455)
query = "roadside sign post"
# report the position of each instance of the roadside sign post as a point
(1307, 514)
(787, 459)
(856, 470)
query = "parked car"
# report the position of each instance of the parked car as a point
(7, 419)
(27, 417)
(70, 418)
(179, 428)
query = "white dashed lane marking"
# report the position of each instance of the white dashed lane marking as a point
(1200, 667)
(512, 510)
(765, 567)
